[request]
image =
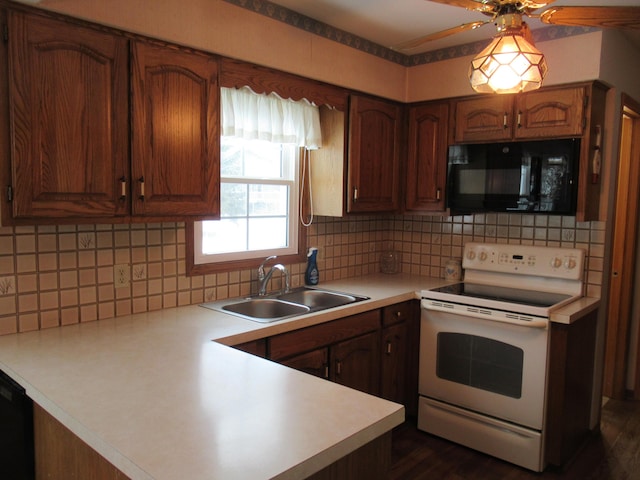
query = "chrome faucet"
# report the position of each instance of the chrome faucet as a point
(263, 279)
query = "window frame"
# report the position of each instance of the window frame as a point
(193, 268)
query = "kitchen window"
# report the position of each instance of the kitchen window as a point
(259, 199)
(263, 140)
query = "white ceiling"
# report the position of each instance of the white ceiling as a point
(390, 22)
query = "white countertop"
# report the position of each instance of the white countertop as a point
(154, 395)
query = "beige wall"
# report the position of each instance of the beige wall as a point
(220, 27)
(566, 59)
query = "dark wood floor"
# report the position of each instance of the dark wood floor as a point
(614, 454)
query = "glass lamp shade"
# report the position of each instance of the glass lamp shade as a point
(509, 64)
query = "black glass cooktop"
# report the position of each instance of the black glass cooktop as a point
(504, 294)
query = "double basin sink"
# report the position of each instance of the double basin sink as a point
(271, 308)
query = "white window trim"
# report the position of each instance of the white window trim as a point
(201, 258)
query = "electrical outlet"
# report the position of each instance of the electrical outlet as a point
(121, 276)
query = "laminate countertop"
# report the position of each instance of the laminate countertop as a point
(161, 396)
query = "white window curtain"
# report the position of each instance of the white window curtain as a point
(248, 115)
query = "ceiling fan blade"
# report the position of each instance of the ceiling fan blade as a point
(604, 17)
(489, 6)
(416, 42)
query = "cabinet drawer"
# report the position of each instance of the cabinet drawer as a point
(311, 338)
(397, 313)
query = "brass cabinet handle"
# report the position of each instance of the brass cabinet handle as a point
(123, 187)
(141, 180)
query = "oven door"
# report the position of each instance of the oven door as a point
(492, 368)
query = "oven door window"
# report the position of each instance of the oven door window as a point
(480, 362)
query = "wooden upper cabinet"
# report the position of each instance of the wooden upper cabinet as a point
(426, 174)
(175, 113)
(548, 113)
(69, 119)
(375, 129)
(483, 118)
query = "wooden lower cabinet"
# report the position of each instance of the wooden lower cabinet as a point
(356, 363)
(254, 347)
(372, 461)
(315, 362)
(61, 455)
(345, 351)
(569, 397)
(399, 354)
(375, 352)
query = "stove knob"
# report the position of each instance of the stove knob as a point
(570, 263)
(556, 262)
(471, 255)
(483, 256)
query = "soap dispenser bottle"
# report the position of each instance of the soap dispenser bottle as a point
(311, 276)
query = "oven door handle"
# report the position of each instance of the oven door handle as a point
(483, 314)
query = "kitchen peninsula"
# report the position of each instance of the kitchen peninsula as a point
(154, 396)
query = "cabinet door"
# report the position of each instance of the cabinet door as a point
(552, 113)
(175, 134)
(315, 362)
(375, 127)
(393, 366)
(400, 354)
(427, 157)
(69, 119)
(356, 363)
(483, 119)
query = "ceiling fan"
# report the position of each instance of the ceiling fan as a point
(511, 63)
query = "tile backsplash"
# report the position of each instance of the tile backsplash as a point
(58, 275)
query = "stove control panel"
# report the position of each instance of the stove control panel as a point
(555, 262)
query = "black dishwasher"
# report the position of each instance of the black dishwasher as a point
(16, 431)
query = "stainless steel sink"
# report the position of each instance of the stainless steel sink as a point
(265, 309)
(318, 299)
(280, 306)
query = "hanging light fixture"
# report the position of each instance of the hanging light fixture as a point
(510, 63)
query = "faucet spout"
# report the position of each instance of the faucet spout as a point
(265, 280)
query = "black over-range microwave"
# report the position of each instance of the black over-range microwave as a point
(536, 177)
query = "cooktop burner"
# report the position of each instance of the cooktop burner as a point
(503, 294)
